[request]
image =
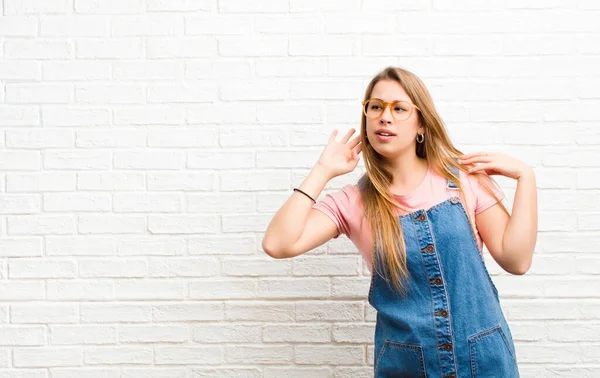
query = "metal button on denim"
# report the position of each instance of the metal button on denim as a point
(442, 313)
(446, 346)
(429, 248)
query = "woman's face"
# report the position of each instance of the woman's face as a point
(405, 130)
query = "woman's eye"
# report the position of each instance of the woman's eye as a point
(399, 109)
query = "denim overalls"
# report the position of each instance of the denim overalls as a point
(450, 323)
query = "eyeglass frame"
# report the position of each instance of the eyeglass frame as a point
(386, 105)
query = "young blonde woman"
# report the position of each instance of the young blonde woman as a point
(419, 216)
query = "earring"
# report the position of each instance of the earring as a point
(422, 138)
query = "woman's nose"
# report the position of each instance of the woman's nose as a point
(386, 115)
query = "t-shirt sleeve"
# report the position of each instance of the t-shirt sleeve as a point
(484, 199)
(337, 206)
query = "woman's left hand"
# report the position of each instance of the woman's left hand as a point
(495, 164)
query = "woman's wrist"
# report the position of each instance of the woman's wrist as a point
(323, 171)
(526, 174)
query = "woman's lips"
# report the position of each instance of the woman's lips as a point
(384, 138)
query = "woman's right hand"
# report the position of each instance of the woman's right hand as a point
(341, 157)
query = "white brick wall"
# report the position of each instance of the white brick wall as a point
(146, 144)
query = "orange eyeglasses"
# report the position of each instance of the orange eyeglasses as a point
(401, 110)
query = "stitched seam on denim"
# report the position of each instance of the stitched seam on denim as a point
(439, 206)
(473, 363)
(482, 334)
(383, 326)
(464, 212)
(373, 263)
(400, 345)
(369, 298)
(413, 348)
(437, 340)
(473, 345)
(429, 210)
(436, 335)
(383, 347)
(507, 345)
(480, 256)
(446, 295)
(422, 364)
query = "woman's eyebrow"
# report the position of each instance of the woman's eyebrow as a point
(377, 98)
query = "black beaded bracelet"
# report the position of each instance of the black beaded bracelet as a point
(298, 190)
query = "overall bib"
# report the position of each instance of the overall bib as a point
(450, 323)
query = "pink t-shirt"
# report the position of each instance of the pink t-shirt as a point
(346, 210)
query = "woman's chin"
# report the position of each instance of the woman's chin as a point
(389, 151)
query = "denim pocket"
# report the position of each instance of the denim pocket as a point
(400, 360)
(492, 355)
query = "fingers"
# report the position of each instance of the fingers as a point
(347, 136)
(357, 149)
(480, 158)
(480, 167)
(354, 141)
(474, 154)
(333, 135)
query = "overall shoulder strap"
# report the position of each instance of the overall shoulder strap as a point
(450, 183)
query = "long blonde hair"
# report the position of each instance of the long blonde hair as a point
(389, 252)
